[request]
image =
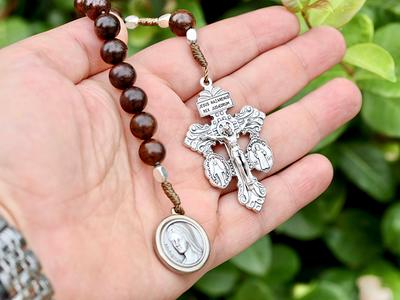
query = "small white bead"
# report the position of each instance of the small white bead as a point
(163, 21)
(191, 35)
(160, 174)
(132, 22)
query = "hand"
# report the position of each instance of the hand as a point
(70, 174)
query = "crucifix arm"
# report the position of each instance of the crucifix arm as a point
(214, 137)
(211, 137)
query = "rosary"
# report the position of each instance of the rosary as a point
(180, 242)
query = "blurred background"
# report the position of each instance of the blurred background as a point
(346, 245)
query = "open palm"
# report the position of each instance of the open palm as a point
(70, 174)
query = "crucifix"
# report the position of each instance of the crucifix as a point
(226, 129)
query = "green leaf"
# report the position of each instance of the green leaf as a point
(13, 30)
(385, 37)
(365, 165)
(344, 278)
(336, 14)
(373, 58)
(255, 260)
(285, 265)
(380, 87)
(295, 5)
(382, 114)
(359, 30)
(140, 37)
(302, 227)
(391, 228)
(219, 281)
(310, 223)
(355, 238)
(389, 275)
(254, 288)
(323, 291)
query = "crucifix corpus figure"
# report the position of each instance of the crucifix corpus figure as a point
(226, 129)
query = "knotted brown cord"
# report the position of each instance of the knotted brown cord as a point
(148, 21)
(173, 196)
(201, 59)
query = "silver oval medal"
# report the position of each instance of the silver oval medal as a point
(182, 244)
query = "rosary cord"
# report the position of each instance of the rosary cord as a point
(148, 21)
(181, 23)
(201, 59)
(173, 196)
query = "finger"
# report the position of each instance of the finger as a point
(304, 124)
(295, 130)
(288, 191)
(72, 49)
(227, 45)
(275, 76)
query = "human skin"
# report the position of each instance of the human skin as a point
(70, 175)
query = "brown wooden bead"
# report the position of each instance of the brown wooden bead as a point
(143, 126)
(80, 7)
(107, 26)
(152, 152)
(114, 52)
(122, 76)
(95, 8)
(181, 21)
(133, 100)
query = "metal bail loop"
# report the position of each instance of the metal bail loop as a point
(204, 84)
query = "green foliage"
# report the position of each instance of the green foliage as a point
(388, 273)
(366, 167)
(254, 288)
(359, 30)
(336, 13)
(285, 265)
(391, 228)
(311, 222)
(344, 278)
(219, 281)
(382, 113)
(373, 58)
(351, 230)
(256, 259)
(321, 290)
(355, 238)
(12, 30)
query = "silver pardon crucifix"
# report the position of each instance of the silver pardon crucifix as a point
(226, 129)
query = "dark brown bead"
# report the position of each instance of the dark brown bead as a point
(143, 126)
(107, 26)
(181, 21)
(152, 152)
(80, 7)
(114, 52)
(95, 8)
(122, 76)
(133, 100)
(116, 12)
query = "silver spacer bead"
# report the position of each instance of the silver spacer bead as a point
(132, 22)
(191, 35)
(163, 21)
(160, 174)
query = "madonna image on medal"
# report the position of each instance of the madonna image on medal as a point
(182, 244)
(184, 241)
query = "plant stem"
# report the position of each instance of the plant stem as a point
(305, 17)
(349, 70)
